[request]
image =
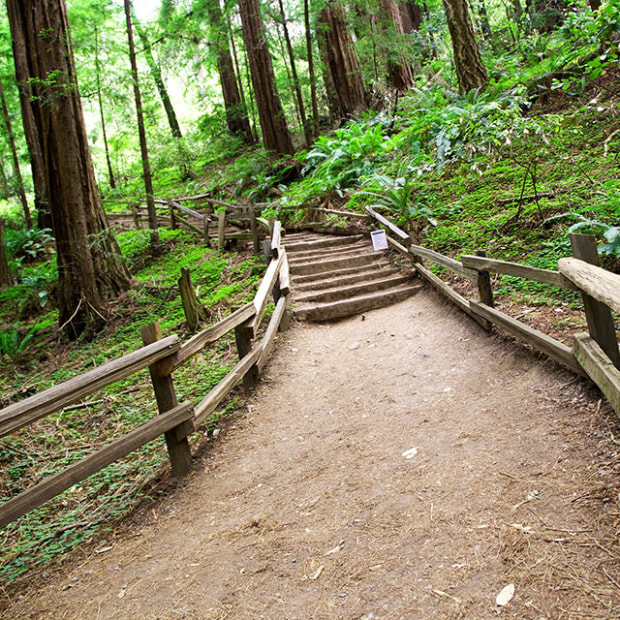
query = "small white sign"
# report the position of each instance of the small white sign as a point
(379, 240)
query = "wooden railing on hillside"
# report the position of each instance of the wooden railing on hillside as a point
(210, 225)
(595, 354)
(162, 356)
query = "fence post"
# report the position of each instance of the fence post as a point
(135, 214)
(173, 219)
(178, 450)
(598, 315)
(243, 337)
(221, 229)
(205, 228)
(254, 227)
(485, 291)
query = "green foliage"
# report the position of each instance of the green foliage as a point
(28, 244)
(13, 342)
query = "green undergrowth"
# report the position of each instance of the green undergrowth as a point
(91, 508)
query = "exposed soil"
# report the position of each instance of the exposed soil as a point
(399, 465)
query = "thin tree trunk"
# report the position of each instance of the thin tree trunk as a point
(485, 25)
(248, 80)
(289, 77)
(159, 81)
(16, 168)
(470, 71)
(343, 63)
(311, 75)
(90, 266)
(276, 135)
(296, 84)
(101, 112)
(4, 181)
(6, 278)
(146, 166)
(234, 103)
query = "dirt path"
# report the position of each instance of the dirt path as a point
(402, 466)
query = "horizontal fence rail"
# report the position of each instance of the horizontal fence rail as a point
(161, 356)
(595, 355)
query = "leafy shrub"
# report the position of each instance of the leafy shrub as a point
(28, 244)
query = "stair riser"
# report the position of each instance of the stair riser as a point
(364, 276)
(322, 257)
(335, 273)
(294, 246)
(365, 288)
(325, 253)
(331, 265)
(350, 307)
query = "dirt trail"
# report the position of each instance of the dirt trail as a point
(402, 466)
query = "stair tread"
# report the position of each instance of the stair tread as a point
(354, 290)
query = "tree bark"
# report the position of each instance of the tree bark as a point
(470, 71)
(236, 111)
(276, 135)
(16, 167)
(6, 278)
(311, 74)
(399, 69)
(333, 101)
(90, 267)
(295, 76)
(342, 60)
(155, 70)
(101, 112)
(547, 15)
(411, 16)
(146, 166)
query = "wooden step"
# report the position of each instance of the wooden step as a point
(355, 290)
(330, 250)
(332, 264)
(337, 273)
(344, 252)
(317, 241)
(355, 305)
(376, 272)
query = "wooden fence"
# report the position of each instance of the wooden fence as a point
(594, 354)
(229, 223)
(176, 421)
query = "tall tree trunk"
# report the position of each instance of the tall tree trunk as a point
(411, 16)
(470, 71)
(16, 168)
(311, 74)
(155, 70)
(276, 135)
(295, 76)
(333, 101)
(4, 181)
(33, 140)
(399, 69)
(146, 165)
(90, 266)
(342, 61)
(234, 104)
(101, 112)
(485, 25)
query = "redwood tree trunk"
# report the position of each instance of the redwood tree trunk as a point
(90, 266)
(470, 71)
(146, 165)
(276, 135)
(22, 74)
(411, 16)
(311, 75)
(16, 168)
(399, 69)
(236, 111)
(342, 60)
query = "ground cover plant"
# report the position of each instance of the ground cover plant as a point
(92, 507)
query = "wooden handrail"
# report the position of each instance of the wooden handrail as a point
(401, 234)
(39, 405)
(546, 276)
(599, 283)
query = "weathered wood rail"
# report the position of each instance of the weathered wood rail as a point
(214, 224)
(595, 354)
(161, 356)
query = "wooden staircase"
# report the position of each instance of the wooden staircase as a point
(337, 276)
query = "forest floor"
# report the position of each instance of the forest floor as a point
(403, 464)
